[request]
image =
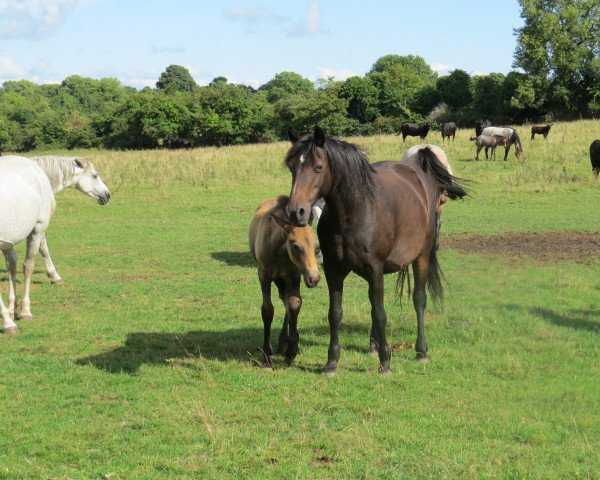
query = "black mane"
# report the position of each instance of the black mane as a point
(351, 172)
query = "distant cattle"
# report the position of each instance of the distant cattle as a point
(480, 125)
(414, 130)
(540, 130)
(448, 130)
(595, 157)
(179, 142)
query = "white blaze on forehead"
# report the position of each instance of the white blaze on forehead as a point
(302, 159)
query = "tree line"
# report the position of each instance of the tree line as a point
(557, 75)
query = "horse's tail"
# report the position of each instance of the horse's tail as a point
(447, 182)
(472, 138)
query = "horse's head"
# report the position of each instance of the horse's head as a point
(89, 182)
(311, 176)
(301, 245)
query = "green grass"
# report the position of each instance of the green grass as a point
(143, 363)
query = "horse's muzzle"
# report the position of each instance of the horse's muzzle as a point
(103, 199)
(311, 280)
(299, 216)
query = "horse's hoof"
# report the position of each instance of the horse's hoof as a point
(11, 331)
(330, 371)
(385, 371)
(422, 358)
(55, 281)
(26, 317)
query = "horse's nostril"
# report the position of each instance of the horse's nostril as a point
(300, 212)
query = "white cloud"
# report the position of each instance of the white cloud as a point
(312, 24)
(32, 18)
(9, 70)
(326, 72)
(442, 68)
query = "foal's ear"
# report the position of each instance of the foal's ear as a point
(282, 222)
(319, 135)
(293, 135)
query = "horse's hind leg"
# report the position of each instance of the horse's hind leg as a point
(266, 311)
(420, 271)
(379, 319)
(50, 268)
(33, 246)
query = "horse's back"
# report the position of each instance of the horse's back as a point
(26, 199)
(262, 228)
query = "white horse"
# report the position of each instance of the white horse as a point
(507, 136)
(26, 206)
(65, 172)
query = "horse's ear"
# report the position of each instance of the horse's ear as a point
(282, 222)
(319, 135)
(79, 163)
(293, 135)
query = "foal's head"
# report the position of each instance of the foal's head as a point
(87, 180)
(301, 245)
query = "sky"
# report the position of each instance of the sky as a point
(247, 41)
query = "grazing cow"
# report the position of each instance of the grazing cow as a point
(508, 136)
(487, 142)
(179, 142)
(414, 130)
(448, 130)
(480, 125)
(540, 130)
(283, 253)
(595, 157)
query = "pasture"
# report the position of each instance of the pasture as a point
(145, 362)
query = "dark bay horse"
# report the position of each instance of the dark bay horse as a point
(282, 252)
(378, 219)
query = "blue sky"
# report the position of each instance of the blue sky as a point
(248, 41)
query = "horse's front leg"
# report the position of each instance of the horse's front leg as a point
(33, 246)
(11, 266)
(335, 284)
(267, 312)
(379, 319)
(506, 150)
(50, 268)
(420, 271)
(9, 326)
(293, 304)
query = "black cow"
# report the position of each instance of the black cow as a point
(480, 125)
(179, 142)
(595, 157)
(448, 130)
(540, 130)
(414, 130)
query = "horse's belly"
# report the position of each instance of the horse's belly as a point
(20, 211)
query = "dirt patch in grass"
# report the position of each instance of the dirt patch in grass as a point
(545, 247)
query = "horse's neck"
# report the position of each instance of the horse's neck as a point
(347, 213)
(59, 174)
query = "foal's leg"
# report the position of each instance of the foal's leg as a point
(285, 330)
(33, 246)
(266, 311)
(420, 270)
(50, 268)
(379, 319)
(293, 303)
(10, 327)
(11, 265)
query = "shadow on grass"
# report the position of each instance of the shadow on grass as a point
(235, 259)
(243, 344)
(576, 319)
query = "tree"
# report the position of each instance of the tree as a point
(286, 84)
(560, 43)
(414, 62)
(488, 95)
(455, 89)
(176, 79)
(362, 98)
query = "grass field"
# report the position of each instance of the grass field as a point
(143, 364)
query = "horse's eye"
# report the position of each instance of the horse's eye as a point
(318, 168)
(295, 246)
(95, 176)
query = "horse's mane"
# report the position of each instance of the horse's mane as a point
(58, 169)
(515, 139)
(351, 172)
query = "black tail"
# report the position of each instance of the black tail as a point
(435, 278)
(448, 183)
